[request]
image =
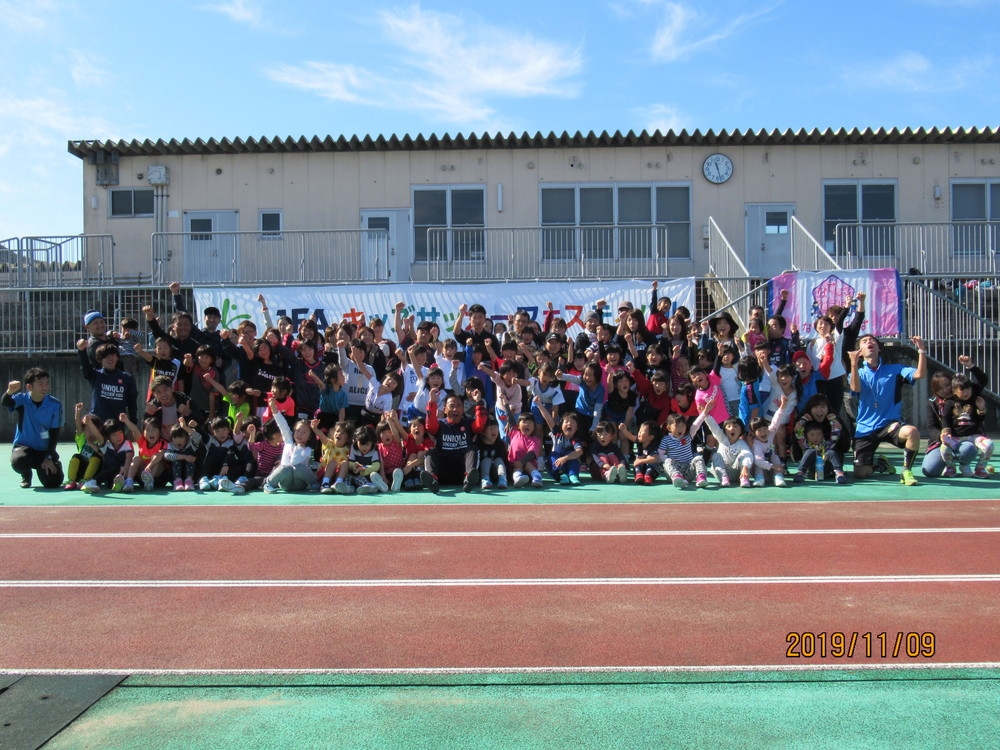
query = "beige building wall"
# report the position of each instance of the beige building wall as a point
(328, 190)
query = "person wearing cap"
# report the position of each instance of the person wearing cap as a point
(210, 334)
(718, 331)
(810, 380)
(97, 333)
(591, 322)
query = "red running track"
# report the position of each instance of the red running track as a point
(480, 587)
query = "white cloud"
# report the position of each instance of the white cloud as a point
(31, 16)
(683, 30)
(662, 117)
(446, 66)
(912, 72)
(88, 70)
(240, 11)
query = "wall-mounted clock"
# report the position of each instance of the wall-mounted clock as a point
(717, 168)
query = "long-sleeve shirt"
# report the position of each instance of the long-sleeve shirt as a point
(292, 454)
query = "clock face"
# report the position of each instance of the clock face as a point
(717, 168)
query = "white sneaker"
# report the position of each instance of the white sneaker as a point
(397, 480)
(379, 482)
(226, 484)
(369, 489)
(90, 486)
(521, 480)
(758, 479)
(147, 480)
(205, 484)
(779, 480)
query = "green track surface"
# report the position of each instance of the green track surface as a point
(871, 709)
(883, 708)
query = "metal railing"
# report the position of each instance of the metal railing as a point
(807, 253)
(301, 257)
(952, 328)
(596, 252)
(732, 278)
(968, 249)
(46, 321)
(77, 260)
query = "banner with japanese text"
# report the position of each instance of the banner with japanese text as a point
(811, 293)
(438, 303)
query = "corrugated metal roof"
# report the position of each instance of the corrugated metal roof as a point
(460, 142)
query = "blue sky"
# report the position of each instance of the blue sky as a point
(109, 69)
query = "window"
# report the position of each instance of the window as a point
(616, 222)
(270, 225)
(131, 202)
(974, 205)
(461, 209)
(201, 230)
(871, 206)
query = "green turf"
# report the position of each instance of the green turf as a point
(943, 709)
(881, 487)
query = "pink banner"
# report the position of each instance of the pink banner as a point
(812, 293)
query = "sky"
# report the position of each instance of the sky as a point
(122, 69)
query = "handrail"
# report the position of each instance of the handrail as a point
(800, 255)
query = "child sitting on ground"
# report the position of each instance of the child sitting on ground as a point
(293, 473)
(492, 453)
(962, 420)
(117, 453)
(149, 446)
(361, 470)
(567, 450)
(86, 462)
(336, 450)
(818, 454)
(182, 454)
(647, 457)
(607, 461)
(681, 463)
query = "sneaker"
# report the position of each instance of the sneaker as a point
(342, 488)
(841, 478)
(90, 487)
(745, 482)
(379, 482)
(326, 489)
(799, 478)
(178, 485)
(701, 481)
(574, 479)
(502, 482)
(779, 480)
(119, 484)
(25, 481)
(981, 473)
(269, 489)
(724, 482)
(678, 481)
(397, 480)
(967, 471)
(70, 486)
(536, 481)
(189, 485)
(226, 484)
(205, 484)
(368, 489)
(147, 480)
(650, 479)
(564, 479)
(758, 479)
(521, 480)
(622, 473)
(239, 489)
(883, 465)
(429, 482)
(907, 478)
(640, 479)
(471, 482)
(486, 484)
(129, 485)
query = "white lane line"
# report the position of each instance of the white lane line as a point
(496, 582)
(375, 671)
(486, 534)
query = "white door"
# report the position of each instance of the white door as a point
(768, 239)
(210, 245)
(389, 261)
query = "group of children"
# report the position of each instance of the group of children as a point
(498, 405)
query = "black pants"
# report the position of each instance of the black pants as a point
(24, 460)
(450, 467)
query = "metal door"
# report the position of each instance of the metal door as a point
(210, 246)
(768, 242)
(391, 262)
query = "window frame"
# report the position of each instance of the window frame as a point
(271, 234)
(975, 236)
(617, 228)
(478, 239)
(131, 192)
(831, 244)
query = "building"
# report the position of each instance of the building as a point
(489, 207)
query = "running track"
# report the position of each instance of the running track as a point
(445, 587)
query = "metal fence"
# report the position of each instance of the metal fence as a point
(527, 253)
(77, 260)
(351, 255)
(731, 276)
(967, 249)
(807, 253)
(47, 321)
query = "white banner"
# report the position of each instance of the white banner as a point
(438, 303)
